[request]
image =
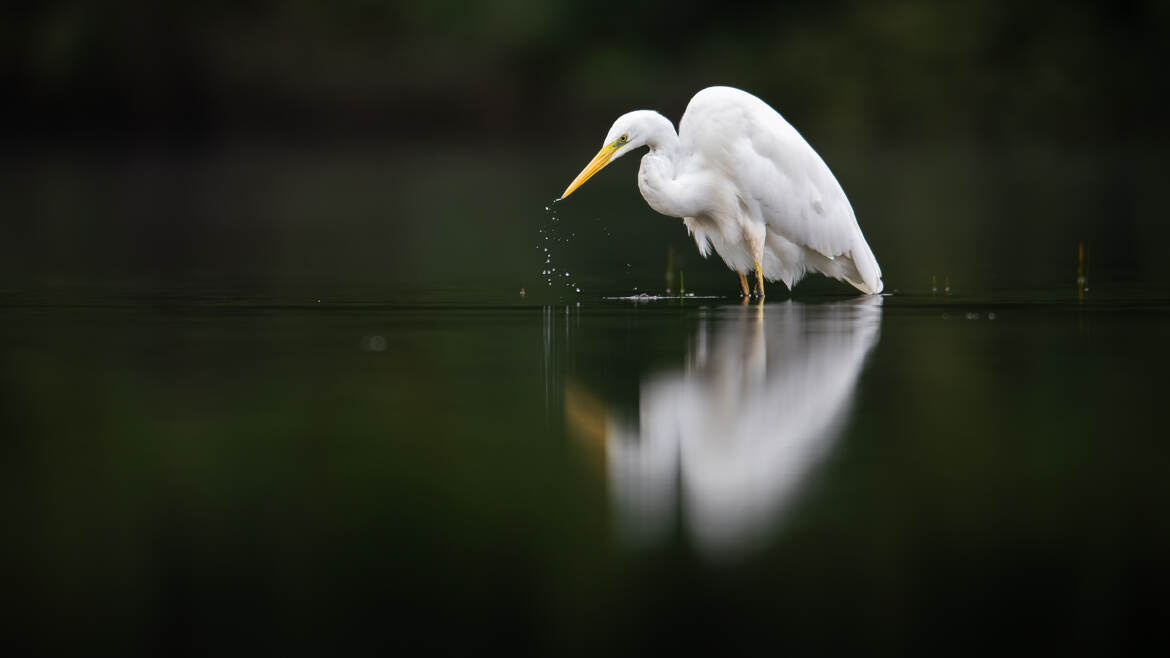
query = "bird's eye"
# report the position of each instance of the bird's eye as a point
(625, 138)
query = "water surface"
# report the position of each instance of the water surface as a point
(457, 469)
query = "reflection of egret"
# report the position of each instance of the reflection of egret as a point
(746, 185)
(733, 435)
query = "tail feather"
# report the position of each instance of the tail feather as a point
(788, 262)
(867, 267)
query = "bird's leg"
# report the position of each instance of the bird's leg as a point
(744, 284)
(754, 234)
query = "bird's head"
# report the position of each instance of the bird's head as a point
(632, 130)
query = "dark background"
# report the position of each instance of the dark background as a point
(193, 449)
(867, 73)
(411, 145)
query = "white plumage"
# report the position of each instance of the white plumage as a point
(726, 443)
(746, 185)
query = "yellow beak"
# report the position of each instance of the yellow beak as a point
(595, 165)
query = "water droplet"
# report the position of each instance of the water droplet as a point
(578, 290)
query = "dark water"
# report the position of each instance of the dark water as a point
(195, 471)
(277, 398)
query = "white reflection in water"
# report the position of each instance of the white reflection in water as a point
(727, 441)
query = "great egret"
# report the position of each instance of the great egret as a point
(726, 441)
(747, 185)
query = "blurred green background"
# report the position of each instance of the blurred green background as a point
(415, 144)
(264, 367)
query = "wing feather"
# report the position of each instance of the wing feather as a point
(778, 175)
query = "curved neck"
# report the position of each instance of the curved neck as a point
(659, 172)
(661, 136)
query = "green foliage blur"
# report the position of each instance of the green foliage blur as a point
(865, 72)
(415, 144)
(265, 367)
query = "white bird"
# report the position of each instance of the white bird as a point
(726, 442)
(747, 185)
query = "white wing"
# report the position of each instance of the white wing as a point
(727, 443)
(779, 178)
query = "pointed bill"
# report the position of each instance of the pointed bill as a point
(595, 165)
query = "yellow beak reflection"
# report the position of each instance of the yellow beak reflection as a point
(595, 165)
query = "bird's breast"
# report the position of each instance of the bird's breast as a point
(662, 189)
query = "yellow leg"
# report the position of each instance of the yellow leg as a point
(744, 284)
(760, 278)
